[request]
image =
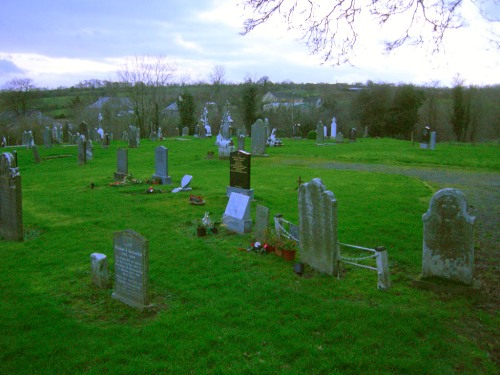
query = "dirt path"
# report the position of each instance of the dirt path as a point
(483, 197)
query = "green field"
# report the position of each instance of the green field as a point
(218, 309)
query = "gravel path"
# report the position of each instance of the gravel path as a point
(482, 192)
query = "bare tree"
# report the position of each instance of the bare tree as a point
(216, 76)
(18, 96)
(148, 76)
(331, 28)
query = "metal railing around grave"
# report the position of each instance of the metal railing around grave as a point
(289, 230)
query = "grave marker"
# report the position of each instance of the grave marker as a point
(239, 173)
(261, 223)
(237, 214)
(100, 271)
(448, 245)
(161, 165)
(11, 211)
(318, 227)
(121, 164)
(131, 256)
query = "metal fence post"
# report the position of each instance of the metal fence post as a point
(382, 268)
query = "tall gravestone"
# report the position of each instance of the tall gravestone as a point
(82, 150)
(259, 137)
(131, 258)
(261, 223)
(318, 227)
(239, 174)
(11, 207)
(236, 217)
(161, 165)
(47, 137)
(121, 164)
(132, 136)
(83, 129)
(448, 245)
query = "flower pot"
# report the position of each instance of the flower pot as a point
(201, 231)
(270, 249)
(289, 255)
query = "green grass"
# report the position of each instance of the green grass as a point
(218, 309)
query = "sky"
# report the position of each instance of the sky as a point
(59, 43)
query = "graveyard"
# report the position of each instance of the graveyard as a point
(213, 306)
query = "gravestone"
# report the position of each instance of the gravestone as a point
(353, 133)
(448, 245)
(185, 131)
(432, 144)
(425, 138)
(186, 180)
(89, 150)
(161, 165)
(83, 129)
(131, 257)
(339, 138)
(24, 139)
(106, 141)
(82, 153)
(36, 154)
(319, 132)
(47, 137)
(241, 142)
(261, 223)
(239, 174)
(259, 137)
(65, 134)
(333, 128)
(132, 136)
(100, 270)
(318, 227)
(153, 136)
(11, 206)
(236, 217)
(121, 164)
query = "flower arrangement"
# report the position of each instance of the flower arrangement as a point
(196, 200)
(127, 180)
(257, 247)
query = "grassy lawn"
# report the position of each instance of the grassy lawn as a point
(218, 309)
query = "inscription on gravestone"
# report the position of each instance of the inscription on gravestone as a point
(131, 255)
(239, 169)
(318, 227)
(448, 246)
(11, 213)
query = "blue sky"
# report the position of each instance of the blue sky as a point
(62, 42)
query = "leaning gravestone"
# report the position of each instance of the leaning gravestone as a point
(161, 165)
(261, 223)
(100, 270)
(318, 227)
(237, 214)
(259, 137)
(121, 164)
(11, 207)
(448, 246)
(82, 150)
(131, 255)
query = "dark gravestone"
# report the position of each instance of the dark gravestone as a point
(239, 169)
(353, 135)
(161, 165)
(83, 129)
(131, 255)
(121, 164)
(11, 212)
(66, 133)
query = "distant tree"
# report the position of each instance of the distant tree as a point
(148, 77)
(458, 119)
(331, 28)
(18, 96)
(186, 107)
(371, 106)
(403, 114)
(249, 105)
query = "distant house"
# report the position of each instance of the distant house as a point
(273, 100)
(120, 105)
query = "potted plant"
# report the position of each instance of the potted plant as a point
(289, 249)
